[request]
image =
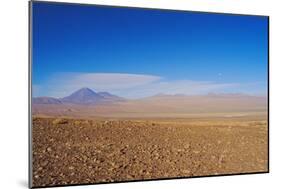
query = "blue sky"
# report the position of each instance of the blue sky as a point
(136, 52)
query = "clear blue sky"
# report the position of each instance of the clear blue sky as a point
(174, 46)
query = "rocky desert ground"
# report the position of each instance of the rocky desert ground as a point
(81, 151)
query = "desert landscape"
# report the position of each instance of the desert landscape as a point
(127, 94)
(90, 137)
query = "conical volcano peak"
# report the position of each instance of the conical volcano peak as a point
(83, 95)
(85, 91)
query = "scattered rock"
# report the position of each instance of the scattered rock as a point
(196, 151)
(112, 152)
(185, 171)
(70, 167)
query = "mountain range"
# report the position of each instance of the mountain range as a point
(88, 103)
(81, 96)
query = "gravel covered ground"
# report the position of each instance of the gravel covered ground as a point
(73, 151)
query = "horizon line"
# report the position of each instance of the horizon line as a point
(163, 94)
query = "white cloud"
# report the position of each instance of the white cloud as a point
(127, 85)
(109, 81)
(62, 84)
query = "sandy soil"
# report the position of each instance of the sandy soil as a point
(76, 151)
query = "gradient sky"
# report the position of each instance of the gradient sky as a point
(139, 52)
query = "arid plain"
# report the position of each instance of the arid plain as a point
(164, 136)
